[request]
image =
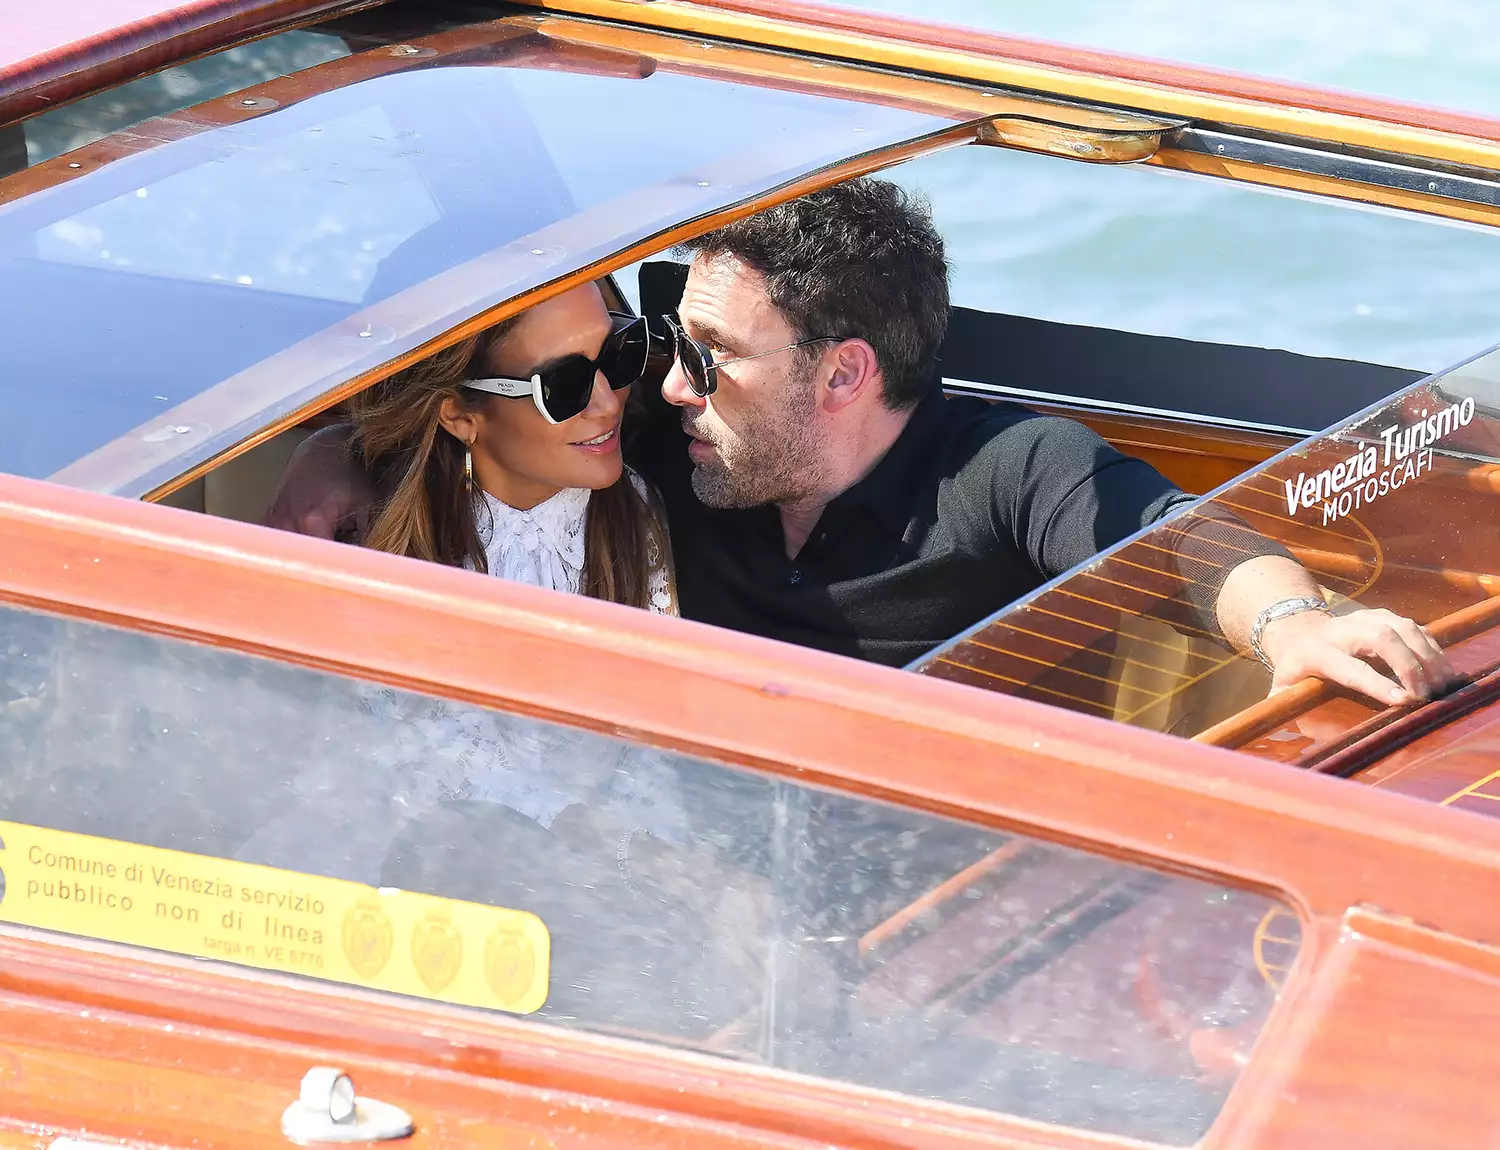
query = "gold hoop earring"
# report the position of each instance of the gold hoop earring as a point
(468, 471)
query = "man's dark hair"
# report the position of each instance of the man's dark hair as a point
(860, 259)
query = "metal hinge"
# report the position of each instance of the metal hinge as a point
(327, 1110)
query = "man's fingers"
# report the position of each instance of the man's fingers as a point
(1335, 650)
(1383, 641)
(1357, 675)
(1432, 657)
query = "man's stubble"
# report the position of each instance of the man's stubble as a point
(772, 459)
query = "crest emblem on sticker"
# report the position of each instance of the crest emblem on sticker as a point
(437, 950)
(368, 937)
(509, 964)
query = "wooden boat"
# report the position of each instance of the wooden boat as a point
(1091, 905)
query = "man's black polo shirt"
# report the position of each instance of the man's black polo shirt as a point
(975, 505)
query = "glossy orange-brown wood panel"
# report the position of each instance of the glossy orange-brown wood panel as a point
(1401, 1030)
(77, 1064)
(1272, 728)
(132, 1048)
(1328, 844)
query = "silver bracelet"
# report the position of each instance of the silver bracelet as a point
(1280, 610)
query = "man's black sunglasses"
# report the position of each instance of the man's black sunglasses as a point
(562, 390)
(697, 359)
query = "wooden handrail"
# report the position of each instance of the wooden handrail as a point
(1270, 713)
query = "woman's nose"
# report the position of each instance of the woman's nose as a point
(605, 402)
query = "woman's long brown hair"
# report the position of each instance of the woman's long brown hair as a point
(426, 510)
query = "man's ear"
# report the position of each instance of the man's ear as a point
(457, 420)
(853, 371)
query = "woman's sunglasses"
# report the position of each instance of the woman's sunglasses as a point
(697, 359)
(563, 389)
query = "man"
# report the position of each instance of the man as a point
(821, 490)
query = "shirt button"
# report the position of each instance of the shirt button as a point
(795, 577)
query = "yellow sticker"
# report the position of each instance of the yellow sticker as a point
(438, 948)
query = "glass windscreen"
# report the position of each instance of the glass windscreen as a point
(1392, 509)
(205, 802)
(175, 286)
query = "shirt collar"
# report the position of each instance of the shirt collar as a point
(543, 546)
(891, 484)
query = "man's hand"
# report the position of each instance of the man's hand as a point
(1333, 648)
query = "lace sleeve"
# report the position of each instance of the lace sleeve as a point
(661, 579)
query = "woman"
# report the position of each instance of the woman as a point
(500, 454)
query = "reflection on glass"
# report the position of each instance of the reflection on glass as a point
(1393, 509)
(94, 117)
(294, 237)
(688, 903)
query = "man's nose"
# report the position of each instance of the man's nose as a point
(675, 388)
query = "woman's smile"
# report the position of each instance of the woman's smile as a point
(601, 444)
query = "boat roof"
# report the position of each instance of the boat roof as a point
(230, 263)
(200, 362)
(46, 42)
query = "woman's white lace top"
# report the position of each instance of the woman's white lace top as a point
(544, 546)
(420, 753)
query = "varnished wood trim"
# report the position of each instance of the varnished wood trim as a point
(1197, 457)
(791, 711)
(801, 714)
(1098, 78)
(846, 80)
(1158, 433)
(1270, 713)
(1380, 735)
(794, 713)
(1101, 62)
(456, 1054)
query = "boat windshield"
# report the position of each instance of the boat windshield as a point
(206, 802)
(174, 286)
(1392, 508)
